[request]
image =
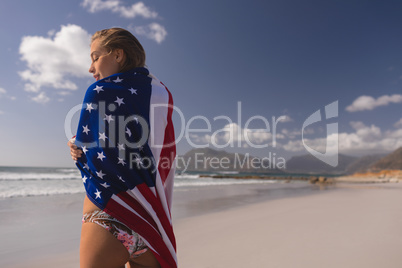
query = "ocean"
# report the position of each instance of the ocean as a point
(37, 181)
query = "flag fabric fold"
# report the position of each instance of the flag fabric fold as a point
(127, 136)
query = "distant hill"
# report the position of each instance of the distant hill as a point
(210, 160)
(390, 161)
(310, 164)
(362, 164)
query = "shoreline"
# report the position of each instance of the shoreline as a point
(384, 176)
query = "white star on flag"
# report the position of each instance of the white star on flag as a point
(86, 166)
(138, 160)
(120, 146)
(128, 131)
(86, 129)
(98, 88)
(84, 179)
(120, 178)
(105, 185)
(102, 136)
(100, 174)
(119, 101)
(108, 80)
(89, 107)
(101, 156)
(108, 118)
(118, 80)
(133, 91)
(84, 149)
(121, 161)
(97, 193)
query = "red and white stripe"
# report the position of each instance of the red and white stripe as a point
(147, 210)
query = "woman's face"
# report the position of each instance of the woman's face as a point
(103, 63)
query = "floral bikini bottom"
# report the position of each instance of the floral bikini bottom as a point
(130, 239)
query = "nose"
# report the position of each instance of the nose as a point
(91, 69)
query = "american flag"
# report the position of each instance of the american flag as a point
(127, 136)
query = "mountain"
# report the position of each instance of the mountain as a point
(310, 164)
(390, 161)
(210, 160)
(362, 164)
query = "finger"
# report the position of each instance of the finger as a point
(76, 153)
(76, 149)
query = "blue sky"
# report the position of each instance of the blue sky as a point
(220, 59)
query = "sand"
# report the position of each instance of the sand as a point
(349, 227)
(268, 225)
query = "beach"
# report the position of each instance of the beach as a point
(294, 224)
(349, 226)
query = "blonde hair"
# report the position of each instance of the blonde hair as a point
(118, 38)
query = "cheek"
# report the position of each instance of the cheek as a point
(108, 68)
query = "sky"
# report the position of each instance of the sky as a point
(267, 78)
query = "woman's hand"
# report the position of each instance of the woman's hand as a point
(74, 150)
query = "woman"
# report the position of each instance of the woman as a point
(125, 150)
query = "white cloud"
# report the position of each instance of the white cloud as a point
(233, 135)
(369, 103)
(200, 139)
(51, 32)
(398, 123)
(286, 118)
(356, 125)
(367, 133)
(291, 134)
(137, 9)
(51, 62)
(153, 31)
(41, 98)
(294, 146)
(365, 140)
(64, 93)
(3, 92)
